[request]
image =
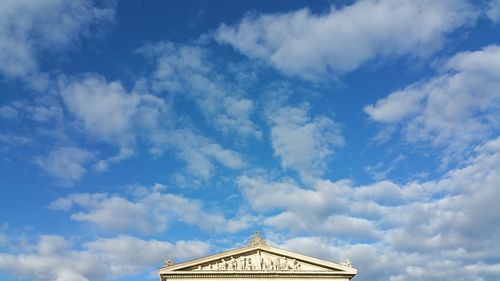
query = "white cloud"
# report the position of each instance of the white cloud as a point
(8, 112)
(442, 229)
(29, 28)
(341, 40)
(105, 111)
(301, 142)
(382, 169)
(65, 164)
(56, 258)
(493, 10)
(127, 255)
(119, 214)
(46, 110)
(324, 210)
(456, 109)
(199, 153)
(191, 71)
(14, 140)
(148, 211)
(372, 262)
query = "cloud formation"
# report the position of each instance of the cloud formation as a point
(341, 40)
(245, 143)
(191, 71)
(53, 257)
(493, 11)
(200, 154)
(432, 229)
(303, 143)
(105, 111)
(66, 164)
(28, 29)
(147, 211)
(456, 109)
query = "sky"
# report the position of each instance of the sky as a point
(135, 131)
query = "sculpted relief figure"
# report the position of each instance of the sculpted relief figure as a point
(347, 262)
(249, 265)
(242, 263)
(267, 264)
(233, 264)
(296, 264)
(256, 261)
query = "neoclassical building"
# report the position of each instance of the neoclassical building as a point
(257, 261)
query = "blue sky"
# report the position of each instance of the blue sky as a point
(134, 131)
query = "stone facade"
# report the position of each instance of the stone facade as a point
(257, 261)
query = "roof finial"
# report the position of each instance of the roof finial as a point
(347, 262)
(168, 262)
(256, 239)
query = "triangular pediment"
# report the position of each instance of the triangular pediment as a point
(260, 258)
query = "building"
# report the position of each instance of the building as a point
(257, 261)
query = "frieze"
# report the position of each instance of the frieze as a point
(256, 261)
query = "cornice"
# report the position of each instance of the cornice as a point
(261, 275)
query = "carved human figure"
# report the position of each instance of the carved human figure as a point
(249, 265)
(168, 262)
(241, 263)
(221, 264)
(267, 263)
(233, 264)
(296, 265)
(257, 261)
(282, 263)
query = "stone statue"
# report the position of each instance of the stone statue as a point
(258, 260)
(256, 239)
(296, 264)
(168, 262)
(233, 265)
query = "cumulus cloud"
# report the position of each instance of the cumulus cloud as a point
(200, 153)
(189, 70)
(65, 164)
(372, 261)
(493, 10)
(341, 40)
(456, 109)
(324, 210)
(29, 28)
(147, 211)
(303, 143)
(56, 258)
(105, 111)
(128, 255)
(435, 229)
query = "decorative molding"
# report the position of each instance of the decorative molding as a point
(256, 239)
(305, 275)
(257, 261)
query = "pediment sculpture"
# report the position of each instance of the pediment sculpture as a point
(256, 261)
